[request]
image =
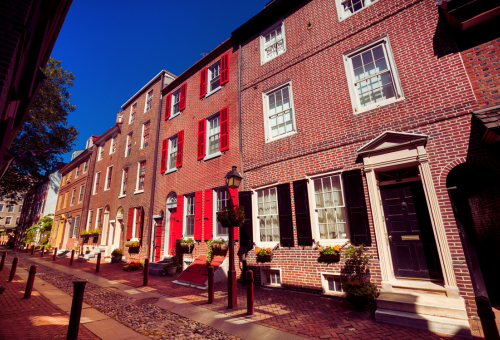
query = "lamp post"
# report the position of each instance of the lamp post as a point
(233, 180)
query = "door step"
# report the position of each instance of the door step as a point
(435, 324)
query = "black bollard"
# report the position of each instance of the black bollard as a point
(43, 251)
(55, 254)
(243, 271)
(76, 309)
(98, 264)
(250, 297)
(146, 273)
(13, 269)
(3, 260)
(211, 284)
(72, 256)
(31, 280)
(487, 317)
(32, 249)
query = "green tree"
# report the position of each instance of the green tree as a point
(46, 128)
(43, 226)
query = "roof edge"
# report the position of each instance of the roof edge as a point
(148, 85)
(70, 165)
(109, 132)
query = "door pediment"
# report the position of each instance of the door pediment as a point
(390, 141)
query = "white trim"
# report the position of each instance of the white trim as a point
(214, 155)
(97, 219)
(172, 113)
(88, 220)
(146, 101)
(214, 217)
(184, 215)
(340, 12)
(113, 138)
(80, 193)
(121, 194)
(263, 278)
(398, 95)
(324, 285)
(129, 138)
(130, 113)
(169, 146)
(137, 177)
(95, 182)
(255, 209)
(265, 104)
(106, 188)
(207, 137)
(85, 168)
(263, 59)
(73, 195)
(208, 78)
(100, 152)
(148, 85)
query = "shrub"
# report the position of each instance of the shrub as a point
(134, 265)
(117, 252)
(132, 244)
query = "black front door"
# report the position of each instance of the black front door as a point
(413, 247)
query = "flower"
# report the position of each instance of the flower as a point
(337, 248)
(268, 250)
(320, 249)
(257, 250)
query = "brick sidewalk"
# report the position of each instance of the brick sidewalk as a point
(307, 315)
(35, 318)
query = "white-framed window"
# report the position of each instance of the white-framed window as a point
(149, 101)
(77, 171)
(267, 233)
(172, 153)
(141, 176)
(80, 196)
(272, 42)
(11, 208)
(8, 220)
(372, 76)
(73, 194)
(98, 223)
(328, 209)
(346, 8)
(189, 207)
(213, 136)
(133, 112)
(89, 221)
(101, 151)
(145, 135)
(20, 208)
(120, 117)
(112, 149)
(96, 182)
(213, 74)
(220, 202)
(123, 189)
(85, 166)
(332, 284)
(1, 207)
(128, 149)
(17, 220)
(176, 97)
(270, 277)
(109, 174)
(279, 112)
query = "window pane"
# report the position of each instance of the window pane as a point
(388, 91)
(378, 52)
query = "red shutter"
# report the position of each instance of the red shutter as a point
(180, 216)
(139, 223)
(197, 215)
(208, 224)
(224, 129)
(234, 196)
(168, 106)
(180, 144)
(164, 150)
(224, 69)
(130, 221)
(201, 139)
(203, 82)
(182, 102)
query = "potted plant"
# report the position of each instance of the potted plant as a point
(264, 254)
(187, 245)
(220, 247)
(133, 246)
(134, 265)
(358, 287)
(116, 255)
(330, 253)
(77, 250)
(229, 217)
(170, 269)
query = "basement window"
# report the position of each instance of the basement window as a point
(332, 284)
(270, 277)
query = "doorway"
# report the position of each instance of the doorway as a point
(409, 229)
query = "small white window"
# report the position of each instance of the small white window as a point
(372, 76)
(279, 113)
(123, 190)
(1, 207)
(189, 216)
(133, 112)
(220, 202)
(272, 42)
(77, 171)
(80, 197)
(128, 149)
(268, 231)
(11, 208)
(213, 136)
(20, 208)
(332, 284)
(145, 135)
(149, 101)
(7, 220)
(109, 174)
(112, 149)
(89, 221)
(346, 8)
(176, 97)
(85, 166)
(17, 220)
(213, 77)
(270, 277)
(96, 182)
(73, 194)
(101, 152)
(141, 176)
(172, 153)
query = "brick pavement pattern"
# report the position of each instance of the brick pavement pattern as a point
(35, 318)
(308, 315)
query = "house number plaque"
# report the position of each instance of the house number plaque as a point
(410, 237)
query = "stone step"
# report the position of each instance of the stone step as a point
(427, 322)
(426, 304)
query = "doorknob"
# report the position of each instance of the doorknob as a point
(403, 206)
(390, 238)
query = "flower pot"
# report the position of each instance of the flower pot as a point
(171, 270)
(220, 249)
(116, 259)
(134, 250)
(330, 257)
(264, 258)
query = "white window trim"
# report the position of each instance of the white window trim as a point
(85, 169)
(144, 129)
(265, 103)
(9, 220)
(263, 278)
(214, 217)
(106, 188)
(121, 185)
(207, 147)
(255, 208)
(168, 154)
(99, 158)
(146, 101)
(399, 95)
(137, 191)
(127, 142)
(80, 193)
(313, 214)
(263, 59)
(340, 10)
(134, 225)
(88, 219)
(324, 285)
(209, 93)
(184, 215)
(111, 146)
(130, 114)
(1, 207)
(97, 218)
(77, 171)
(95, 182)
(172, 114)
(73, 195)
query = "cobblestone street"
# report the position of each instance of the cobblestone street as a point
(306, 315)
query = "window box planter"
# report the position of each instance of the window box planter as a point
(330, 257)
(220, 249)
(265, 258)
(134, 250)
(330, 253)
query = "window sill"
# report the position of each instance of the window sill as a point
(170, 171)
(336, 294)
(138, 192)
(107, 189)
(272, 285)
(174, 115)
(215, 90)
(121, 196)
(379, 105)
(270, 140)
(333, 243)
(268, 60)
(214, 155)
(266, 244)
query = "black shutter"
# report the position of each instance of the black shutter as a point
(302, 215)
(356, 207)
(285, 215)
(246, 230)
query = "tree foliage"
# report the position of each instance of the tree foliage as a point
(44, 226)
(46, 128)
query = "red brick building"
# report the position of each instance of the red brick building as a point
(356, 119)
(199, 142)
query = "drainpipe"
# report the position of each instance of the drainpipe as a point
(86, 197)
(155, 162)
(239, 113)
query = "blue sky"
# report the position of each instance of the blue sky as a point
(115, 47)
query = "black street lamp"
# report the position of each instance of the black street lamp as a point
(233, 180)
